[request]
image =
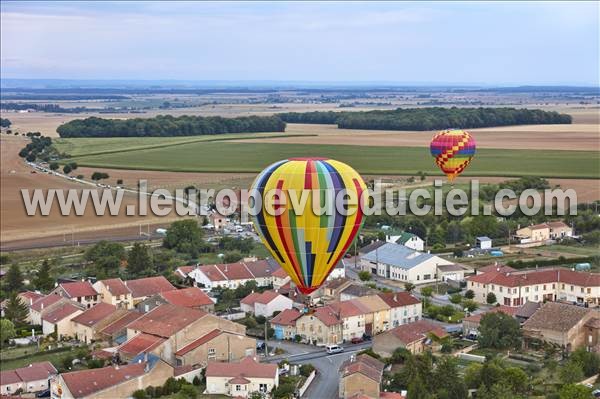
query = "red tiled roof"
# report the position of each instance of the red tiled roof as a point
(122, 323)
(140, 343)
(557, 224)
(187, 297)
(235, 271)
(476, 318)
(257, 297)
(541, 276)
(78, 289)
(495, 267)
(165, 320)
(262, 268)
(200, 341)
(212, 272)
(391, 395)
(346, 308)
(95, 314)
(148, 286)
(417, 330)
(397, 299)
(28, 297)
(60, 312)
(327, 316)
(239, 380)
(116, 286)
(101, 354)
(280, 273)
(33, 372)
(185, 270)
(86, 382)
(45, 301)
(287, 317)
(247, 367)
(363, 369)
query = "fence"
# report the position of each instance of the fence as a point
(306, 384)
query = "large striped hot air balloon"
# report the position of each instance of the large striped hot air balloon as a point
(453, 150)
(307, 245)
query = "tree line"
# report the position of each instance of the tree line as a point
(167, 125)
(433, 118)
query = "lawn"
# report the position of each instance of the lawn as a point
(56, 358)
(575, 250)
(224, 156)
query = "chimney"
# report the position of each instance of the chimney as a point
(395, 297)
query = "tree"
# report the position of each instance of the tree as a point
(43, 281)
(54, 165)
(575, 391)
(106, 256)
(517, 379)
(499, 330)
(184, 236)
(364, 275)
(571, 373)
(139, 259)
(469, 294)
(15, 310)
(427, 291)
(306, 369)
(448, 380)
(470, 305)
(67, 169)
(99, 176)
(232, 257)
(14, 278)
(409, 287)
(588, 361)
(417, 389)
(7, 330)
(490, 298)
(73, 165)
(456, 298)
(188, 391)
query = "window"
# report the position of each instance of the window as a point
(418, 277)
(212, 353)
(582, 290)
(263, 387)
(526, 289)
(537, 288)
(500, 289)
(427, 277)
(238, 387)
(589, 290)
(553, 286)
(571, 288)
(544, 287)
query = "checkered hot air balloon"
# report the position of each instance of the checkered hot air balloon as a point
(453, 150)
(307, 245)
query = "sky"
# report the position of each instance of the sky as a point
(503, 43)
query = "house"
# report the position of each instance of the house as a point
(78, 291)
(58, 319)
(218, 221)
(470, 324)
(32, 378)
(321, 326)
(87, 324)
(27, 298)
(265, 303)
(495, 267)
(339, 271)
(559, 230)
(514, 288)
(167, 329)
(413, 336)
(526, 311)
(232, 275)
(483, 242)
(284, 324)
(241, 379)
(536, 233)
(215, 346)
(43, 305)
(118, 381)
(114, 292)
(361, 375)
(333, 287)
(567, 326)
(183, 271)
(371, 247)
(280, 278)
(376, 311)
(143, 288)
(404, 307)
(397, 262)
(353, 318)
(355, 290)
(192, 297)
(115, 333)
(407, 239)
(452, 273)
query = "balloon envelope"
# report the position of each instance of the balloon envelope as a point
(453, 150)
(307, 244)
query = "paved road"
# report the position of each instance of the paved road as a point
(325, 385)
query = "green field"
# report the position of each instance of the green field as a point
(204, 155)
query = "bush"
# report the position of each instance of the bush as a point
(469, 294)
(140, 394)
(196, 381)
(188, 391)
(306, 369)
(364, 275)
(456, 298)
(490, 298)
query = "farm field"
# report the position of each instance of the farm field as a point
(252, 157)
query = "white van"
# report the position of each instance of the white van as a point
(334, 349)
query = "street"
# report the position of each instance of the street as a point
(325, 385)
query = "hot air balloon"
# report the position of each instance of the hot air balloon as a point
(307, 244)
(453, 150)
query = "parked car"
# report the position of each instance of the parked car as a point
(331, 349)
(596, 393)
(356, 340)
(43, 394)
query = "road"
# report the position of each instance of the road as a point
(325, 385)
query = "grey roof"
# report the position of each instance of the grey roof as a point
(484, 238)
(451, 268)
(528, 309)
(371, 247)
(358, 290)
(397, 255)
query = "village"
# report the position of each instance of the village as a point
(243, 329)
